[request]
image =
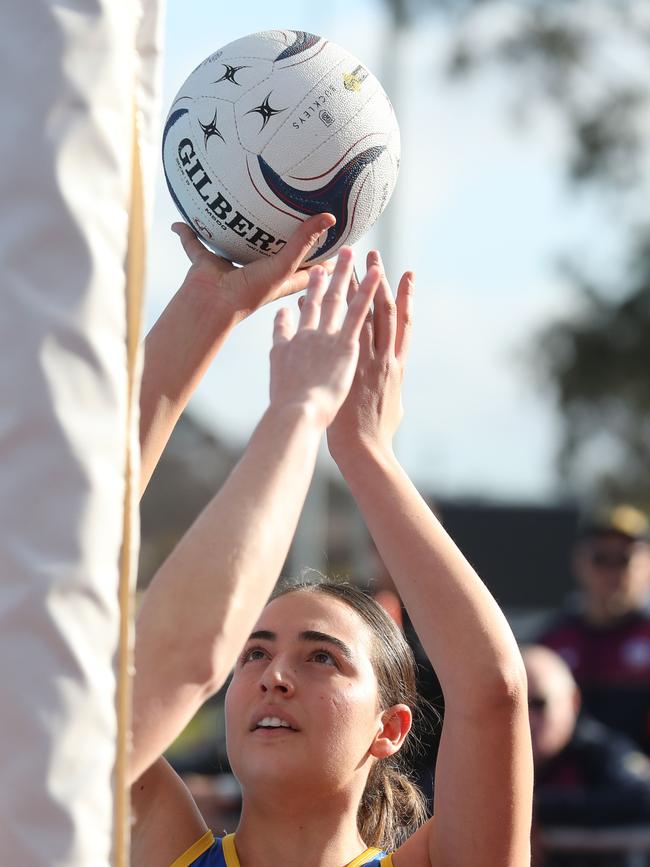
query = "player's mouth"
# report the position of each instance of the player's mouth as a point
(273, 723)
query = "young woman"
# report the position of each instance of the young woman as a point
(320, 701)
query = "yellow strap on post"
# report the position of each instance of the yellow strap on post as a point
(135, 272)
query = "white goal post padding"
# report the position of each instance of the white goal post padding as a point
(70, 75)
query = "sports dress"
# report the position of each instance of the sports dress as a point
(221, 852)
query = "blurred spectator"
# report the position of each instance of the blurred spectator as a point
(585, 773)
(603, 632)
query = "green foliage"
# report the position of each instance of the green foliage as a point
(587, 61)
(599, 364)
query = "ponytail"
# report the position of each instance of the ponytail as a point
(391, 809)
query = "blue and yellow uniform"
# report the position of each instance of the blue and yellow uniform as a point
(221, 852)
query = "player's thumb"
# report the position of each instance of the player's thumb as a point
(303, 241)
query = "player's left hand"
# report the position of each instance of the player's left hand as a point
(373, 410)
(240, 291)
(313, 363)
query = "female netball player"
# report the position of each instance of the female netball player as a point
(320, 701)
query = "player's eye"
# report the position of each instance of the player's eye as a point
(323, 657)
(252, 654)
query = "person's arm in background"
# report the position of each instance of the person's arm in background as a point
(213, 298)
(206, 597)
(484, 770)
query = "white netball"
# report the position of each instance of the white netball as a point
(273, 128)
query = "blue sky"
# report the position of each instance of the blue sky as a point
(479, 213)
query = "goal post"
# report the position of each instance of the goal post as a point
(77, 80)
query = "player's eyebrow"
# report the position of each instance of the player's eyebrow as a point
(308, 635)
(263, 635)
(324, 638)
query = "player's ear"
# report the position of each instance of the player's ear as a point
(394, 725)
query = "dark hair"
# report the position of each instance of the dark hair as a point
(392, 807)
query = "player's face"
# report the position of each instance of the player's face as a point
(302, 708)
(615, 572)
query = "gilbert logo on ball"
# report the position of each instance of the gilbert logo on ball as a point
(273, 128)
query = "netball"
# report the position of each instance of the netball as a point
(275, 127)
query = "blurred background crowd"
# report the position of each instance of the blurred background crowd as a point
(528, 394)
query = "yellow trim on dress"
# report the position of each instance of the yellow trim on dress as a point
(195, 851)
(229, 852)
(232, 859)
(364, 857)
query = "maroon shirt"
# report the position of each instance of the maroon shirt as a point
(611, 665)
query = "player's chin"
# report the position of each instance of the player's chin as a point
(274, 761)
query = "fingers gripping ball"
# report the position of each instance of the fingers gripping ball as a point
(271, 129)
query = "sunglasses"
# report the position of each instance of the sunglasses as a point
(537, 703)
(606, 560)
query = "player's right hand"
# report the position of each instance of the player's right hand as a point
(240, 291)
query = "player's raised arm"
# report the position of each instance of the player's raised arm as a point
(484, 771)
(213, 298)
(205, 599)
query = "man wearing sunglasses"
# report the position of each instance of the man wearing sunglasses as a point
(603, 633)
(586, 774)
